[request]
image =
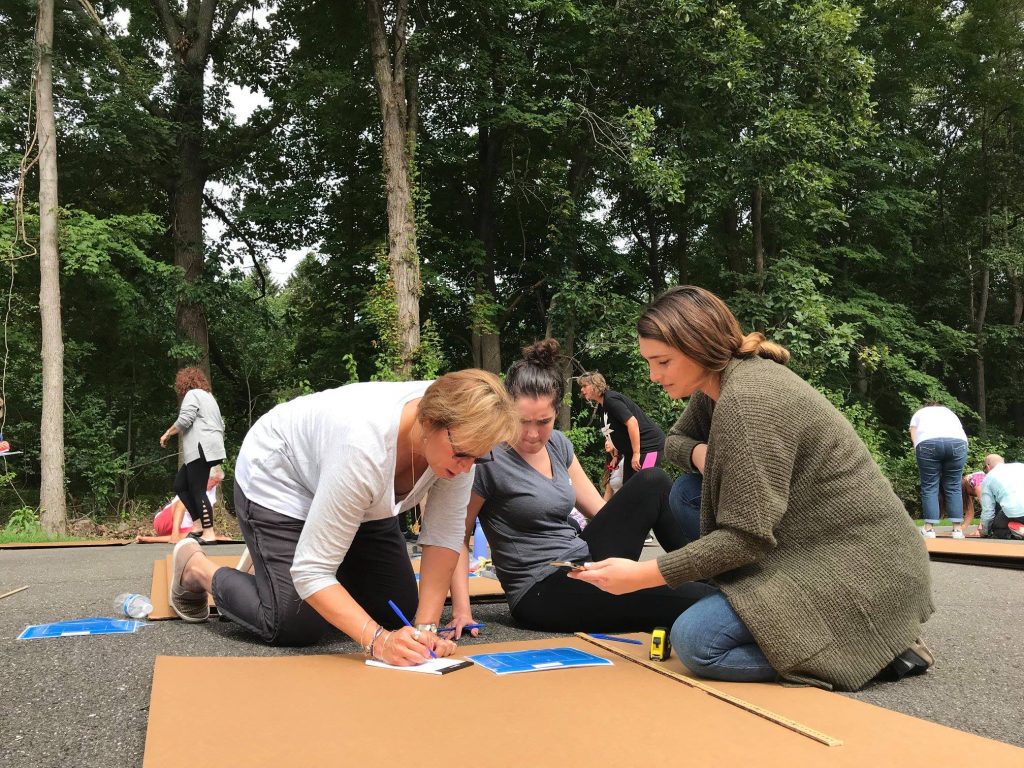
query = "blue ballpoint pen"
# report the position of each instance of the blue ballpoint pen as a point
(398, 612)
(467, 626)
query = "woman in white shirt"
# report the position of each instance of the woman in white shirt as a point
(319, 484)
(940, 445)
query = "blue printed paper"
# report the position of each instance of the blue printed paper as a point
(538, 661)
(78, 627)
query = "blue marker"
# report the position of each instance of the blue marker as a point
(398, 612)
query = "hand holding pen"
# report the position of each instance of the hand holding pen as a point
(409, 643)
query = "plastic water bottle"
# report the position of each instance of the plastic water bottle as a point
(133, 605)
(481, 549)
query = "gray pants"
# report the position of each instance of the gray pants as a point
(376, 569)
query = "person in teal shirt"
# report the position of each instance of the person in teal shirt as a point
(1002, 497)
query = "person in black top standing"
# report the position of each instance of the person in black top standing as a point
(639, 441)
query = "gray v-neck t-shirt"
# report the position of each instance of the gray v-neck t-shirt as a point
(525, 515)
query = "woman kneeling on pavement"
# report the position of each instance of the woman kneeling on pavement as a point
(823, 576)
(319, 484)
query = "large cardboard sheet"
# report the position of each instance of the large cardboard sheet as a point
(991, 552)
(334, 710)
(60, 544)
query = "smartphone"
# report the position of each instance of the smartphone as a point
(577, 566)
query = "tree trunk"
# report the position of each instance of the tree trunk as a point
(979, 335)
(53, 512)
(568, 350)
(682, 250)
(757, 224)
(728, 233)
(1017, 406)
(487, 338)
(655, 273)
(187, 209)
(389, 66)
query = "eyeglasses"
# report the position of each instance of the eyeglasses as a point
(458, 455)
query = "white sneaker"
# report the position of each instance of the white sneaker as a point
(929, 533)
(958, 533)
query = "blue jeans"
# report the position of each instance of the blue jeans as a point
(941, 461)
(709, 637)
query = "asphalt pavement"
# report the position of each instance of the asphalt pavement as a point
(83, 701)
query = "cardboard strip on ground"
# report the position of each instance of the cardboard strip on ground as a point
(994, 553)
(160, 590)
(624, 714)
(701, 685)
(482, 589)
(56, 544)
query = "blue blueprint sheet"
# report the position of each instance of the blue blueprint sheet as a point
(81, 627)
(538, 661)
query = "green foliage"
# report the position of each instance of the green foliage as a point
(382, 312)
(573, 159)
(588, 445)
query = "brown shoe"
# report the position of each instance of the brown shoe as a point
(914, 661)
(193, 607)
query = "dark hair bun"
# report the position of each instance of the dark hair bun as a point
(544, 353)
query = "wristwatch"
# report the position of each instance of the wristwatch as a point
(427, 628)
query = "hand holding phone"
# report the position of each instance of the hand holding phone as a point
(578, 566)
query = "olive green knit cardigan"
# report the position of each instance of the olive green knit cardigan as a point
(800, 529)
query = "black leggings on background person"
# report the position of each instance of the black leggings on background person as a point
(560, 604)
(376, 569)
(190, 485)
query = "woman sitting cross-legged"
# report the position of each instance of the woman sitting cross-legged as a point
(523, 499)
(319, 483)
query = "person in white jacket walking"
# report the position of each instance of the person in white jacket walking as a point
(202, 429)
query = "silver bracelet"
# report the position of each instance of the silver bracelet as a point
(362, 632)
(368, 650)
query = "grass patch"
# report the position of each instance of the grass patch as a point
(32, 537)
(23, 527)
(943, 521)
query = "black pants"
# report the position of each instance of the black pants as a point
(561, 604)
(627, 461)
(190, 485)
(376, 569)
(999, 528)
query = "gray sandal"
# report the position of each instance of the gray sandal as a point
(193, 607)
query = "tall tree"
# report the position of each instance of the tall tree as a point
(51, 430)
(396, 89)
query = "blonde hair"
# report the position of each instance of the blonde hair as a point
(596, 380)
(702, 327)
(475, 403)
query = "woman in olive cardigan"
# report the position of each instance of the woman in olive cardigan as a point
(823, 577)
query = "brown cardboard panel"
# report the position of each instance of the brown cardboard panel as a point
(334, 710)
(481, 589)
(878, 736)
(160, 588)
(989, 552)
(56, 544)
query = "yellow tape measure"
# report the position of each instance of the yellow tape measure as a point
(661, 645)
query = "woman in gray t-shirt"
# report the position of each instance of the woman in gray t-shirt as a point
(523, 500)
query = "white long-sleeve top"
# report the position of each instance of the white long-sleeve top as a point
(329, 459)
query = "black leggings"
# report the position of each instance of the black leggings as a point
(190, 485)
(376, 569)
(561, 604)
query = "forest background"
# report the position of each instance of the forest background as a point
(462, 178)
